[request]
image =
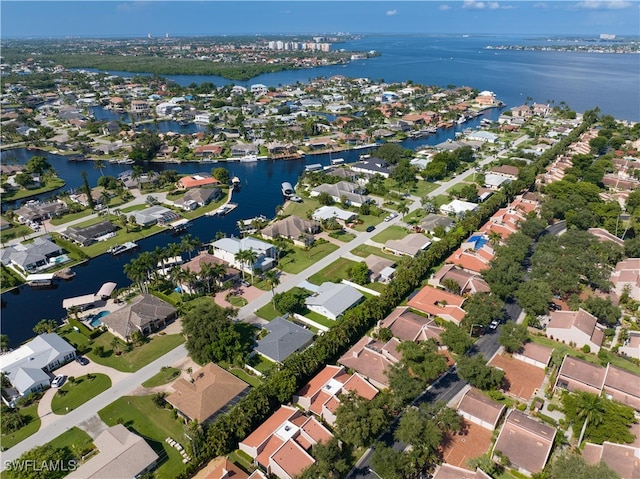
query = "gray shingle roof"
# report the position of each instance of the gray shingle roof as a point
(284, 339)
(336, 298)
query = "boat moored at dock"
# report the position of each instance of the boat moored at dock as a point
(121, 248)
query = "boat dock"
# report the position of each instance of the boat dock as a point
(121, 248)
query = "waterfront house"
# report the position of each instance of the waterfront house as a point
(479, 409)
(145, 314)
(282, 444)
(321, 395)
(196, 197)
(327, 212)
(284, 338)
(371, 166)
(207, 394)
(244, 149)
(122, 454)
(89, 234)
(333, 299)
(525, 442)
(579, 328)
(154, 214)
(32, 257)
(28, 367)
(227, 249)
(197, 180)
(208, 150)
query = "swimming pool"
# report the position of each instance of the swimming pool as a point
(95, 320)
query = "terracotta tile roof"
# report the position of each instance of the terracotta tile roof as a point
(360, 386)
(367, 358)
(226, 470)
(319, 380)
(439, 303)
(622, 458)
(409, 326)
(476, 404)
(261, 434)
(292, 458)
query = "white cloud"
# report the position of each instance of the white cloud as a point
(391, 13)
(604, 5)
(444, 8)
(493, 5)
(472, 4)
(540, 5)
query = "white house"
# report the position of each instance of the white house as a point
(333, 299)
(484, 136)
(326, 212)
(259, 89)
(227, 249)
(458, 207)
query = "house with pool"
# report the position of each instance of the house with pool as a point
(145, 314)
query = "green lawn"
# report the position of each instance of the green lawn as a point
(15, 231)
(423, 188)
(140, 414)
(393, 232)
(369, 220)
(130, 361)
(321, 320)
(379, 287)
(75, 440)
(70, 217)
(298, 259)
(457, 187)
(71, 396)
(32, 424)
(51, 185)
(365, 250)
(301, 209)
(166, 375)
(238, 301)
(592, 358)
(268, 312)
(245, 376)
(342, 235)
(261, 364)
(336, 271)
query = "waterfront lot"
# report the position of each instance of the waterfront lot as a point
(141, 415)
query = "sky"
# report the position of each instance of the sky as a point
(88, 18)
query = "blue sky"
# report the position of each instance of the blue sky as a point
(137, 18)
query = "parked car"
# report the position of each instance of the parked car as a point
(494, 324)
(58, 381)
(82, 360)
(370, 228)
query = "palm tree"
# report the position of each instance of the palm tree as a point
(273, 278)
(241, 257)
(591, 409)
(495, 238)
(105, 199)
(403, 209)
(99, 165)
(189, 244)
(4, 342)
(218, 272)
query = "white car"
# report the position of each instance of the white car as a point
(57, 381)
(494, 324)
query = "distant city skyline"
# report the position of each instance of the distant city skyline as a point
(184, 18)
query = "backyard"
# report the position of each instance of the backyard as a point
(141, 415)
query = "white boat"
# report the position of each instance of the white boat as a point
(249, 159)
(121, 248)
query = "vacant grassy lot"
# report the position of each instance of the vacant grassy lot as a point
(365, 250)
(84, 388)
(166, 375)
(31, 425)
(140, 414)
(335, 272)
(299, 259)
(75, 440)
(70, 217)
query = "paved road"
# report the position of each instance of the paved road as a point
(89, 409)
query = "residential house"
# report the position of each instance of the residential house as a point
(89, 234)
(626, 278)
(410, 245)
(507, 171)
(495, 182)
(297, 229)
(197, 180)
(372, 359)
(535, 354)
(631, 345)
(32, 257)
(281, 445)
(406, 325)
(284, 338)
(145, 314)
(327, 212)
(371, 166)
(244, 149)
(139, 106)
(482, 135)
(227, 250)
(474, 255)
(352, 193)
(430, 222)
(624, 459)
(198, 197)
(622, 386)
(41, 211)
(28, 367)
(154, 214)
(222, 468)
(447, 471)
(211, 391)
(207, 150)
(322, 394)
(458, 208)
(525, 442)
(604, 235)
(196, 264)
(436, 302)
(578, 375)
(380, 269)
(579, 328)
(122, 454)
(131, 180)
(333, 299)
(479, 409)
(468, 283)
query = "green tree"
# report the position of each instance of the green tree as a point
(534, 296)
(273, 278)
(604, 310)
(482, 308)
(325, 199)
(4, 342)
(87, 190)
(359, 421)
(45, 326)
(38, 164)
(403, 209)
(359, 273)
(41, 455)
(289, 302)
(389, 463)
(513, 336)
(486, 464)
(419, 430)
(331, 462)
(456, 338)
(572, 466)
(476, 372)
(222, 175)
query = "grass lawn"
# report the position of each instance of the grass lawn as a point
(456, 188)
(335, 272)
(321, 320)
(70, 217)
(423, 188)
(137, 358)
(268, 312)
(75, 440)
(238, 301)
(592, 358)
(393, 232)
(440, 200)
(205, 209)
(16, 231)
(369, 220)
(242, 459)
(415, 216)
(245, 376)
(32, 424)
(70, 396)
(155, 424)
(131, 208)
(298, 259)
(342, 236)
(261, 364)
(379, 287)
(51, 185)
(365, 250)
(301, 209)
(166, 375)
